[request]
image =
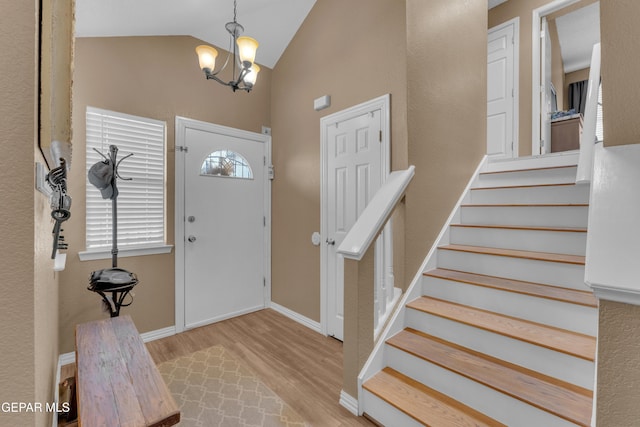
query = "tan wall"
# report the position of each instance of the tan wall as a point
(619, 327)
(353, 53)
(447, 117)
(18, 83)
(28, 323)
(618, 371)
(620, 67)
(159, 78)
(524, 9)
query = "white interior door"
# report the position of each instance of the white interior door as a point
(224, 225)
(545, 88)
(501, 92)
(354, 173)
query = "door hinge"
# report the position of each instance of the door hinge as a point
(513, 92)
(264, 282)
(271, 172)
(264, 221)
(380, 136)
(264, 160)
(182, 148)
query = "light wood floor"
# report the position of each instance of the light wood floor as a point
(303, 367)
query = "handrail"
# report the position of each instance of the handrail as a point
(375, 215)
(588, 137)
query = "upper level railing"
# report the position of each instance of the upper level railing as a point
(588, 137)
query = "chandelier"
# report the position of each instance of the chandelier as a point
(243, 49)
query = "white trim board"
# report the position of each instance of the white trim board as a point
(297, 317)
(349, 402)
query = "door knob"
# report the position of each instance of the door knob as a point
(331, 242)
(191, 238)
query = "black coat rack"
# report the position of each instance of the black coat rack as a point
(116, 281)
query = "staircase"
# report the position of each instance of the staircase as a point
(502, 329)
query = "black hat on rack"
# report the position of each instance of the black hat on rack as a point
(101, 176)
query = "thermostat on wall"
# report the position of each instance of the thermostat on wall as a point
(322, 102)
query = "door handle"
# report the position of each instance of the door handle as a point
(191, 238)
(331, 242)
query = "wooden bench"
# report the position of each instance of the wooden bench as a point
(118, 384)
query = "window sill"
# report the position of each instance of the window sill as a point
(125, 252)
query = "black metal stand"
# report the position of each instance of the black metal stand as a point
(115, 281)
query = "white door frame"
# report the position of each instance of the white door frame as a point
(516, 79)
(538, 13)
(182, 124)
(382, 103)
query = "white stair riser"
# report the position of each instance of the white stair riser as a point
(499, 406)
(527, 177)
(561, 242)
(549, 362)
(553, 194)
(538, 216)
(563, 315)
(544, 272)
(565, 158)
(385, 413)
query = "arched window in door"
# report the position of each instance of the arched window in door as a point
(226, 163)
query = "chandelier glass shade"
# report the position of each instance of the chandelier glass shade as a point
(242, 48)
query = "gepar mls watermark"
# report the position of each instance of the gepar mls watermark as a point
(31, 407)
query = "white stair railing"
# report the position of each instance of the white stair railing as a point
(368, 226)
(588, 137)
(368, 305)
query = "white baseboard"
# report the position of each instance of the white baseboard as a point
(311, 324)
(349, 402)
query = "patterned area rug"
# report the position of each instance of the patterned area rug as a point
(214, 389)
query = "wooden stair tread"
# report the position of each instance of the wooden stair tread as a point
(422, 403)
(524, 227)
(514, 253)
(561, 340)
(562, 399)
(529, 169)
(573, 296)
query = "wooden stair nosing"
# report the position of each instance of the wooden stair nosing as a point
(556, 293)
(524, 227)
(500, 187)
(529, 169)
(516, 253)
(565, 400)
(570, 343)
(423, 403)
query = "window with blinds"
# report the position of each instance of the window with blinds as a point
(141, 201)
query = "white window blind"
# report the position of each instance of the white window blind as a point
(141, 201)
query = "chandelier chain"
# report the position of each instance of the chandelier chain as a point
(235, 6)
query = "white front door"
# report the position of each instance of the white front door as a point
(354, 172)
(501, 132)
(224, 223)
